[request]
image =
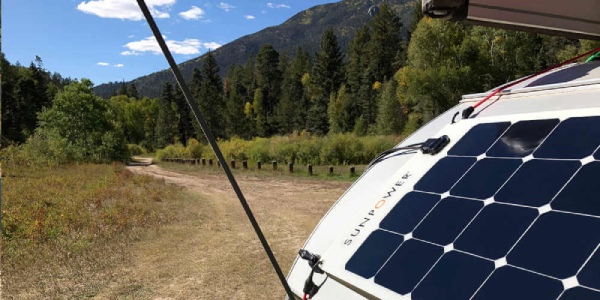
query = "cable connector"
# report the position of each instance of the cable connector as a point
(313, 260)
(434, 146)
(310, 287)
(467, 112)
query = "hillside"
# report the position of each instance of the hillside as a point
(304, 29)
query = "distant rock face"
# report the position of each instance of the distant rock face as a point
(302, 30)
(373, 10)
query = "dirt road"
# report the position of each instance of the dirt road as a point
(211, 251)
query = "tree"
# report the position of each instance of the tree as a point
(166, 123)
(123, 90)
(185, 126)
(327, 77)
(390, 119)
(386, 45)
(268, 79)
(235, 93)
(133, 92)
(338, 111)
(290, 112)
(358, 78)
(80, 127)
(208, 91)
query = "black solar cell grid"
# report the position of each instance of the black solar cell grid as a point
(512, 212)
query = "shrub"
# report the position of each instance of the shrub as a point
(136, 149)
(194, 149)
(297, 148)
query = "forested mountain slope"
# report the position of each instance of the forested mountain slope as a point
(304, 29)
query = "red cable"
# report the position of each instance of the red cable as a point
(304, 297)
(534, 75)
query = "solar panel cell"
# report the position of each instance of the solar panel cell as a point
(574, 138)
(522, 138)
(515, 284)
(411, 209)
(455, 277)
(371, 255)
(581, 194)
(537, 182)
(444, 174)
(495, 230)
(590, 274)
(557, 244)
(447, 220)
(408, 266)
(580, 293)
(478, 139)
(484, 179)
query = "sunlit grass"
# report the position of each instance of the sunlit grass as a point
(67, 227)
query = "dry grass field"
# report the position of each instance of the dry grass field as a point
(197, 245)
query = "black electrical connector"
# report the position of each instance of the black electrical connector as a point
(313, 260)
(434, 146)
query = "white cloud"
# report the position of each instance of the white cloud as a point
(193, 13)
(118, 65)
(273, 5)
(250, 17)
(131, 36)
(126, 53)
(103, 64)
(211, 45)
(125, 9)
(149, 44)
(225, 6)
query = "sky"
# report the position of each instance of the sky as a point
(109, 40)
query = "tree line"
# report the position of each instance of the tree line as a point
(383, 85)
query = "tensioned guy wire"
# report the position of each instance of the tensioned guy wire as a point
(213, 143)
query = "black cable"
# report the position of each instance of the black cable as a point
(213, 143)
(410, 149)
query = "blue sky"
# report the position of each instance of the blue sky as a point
(108, 40)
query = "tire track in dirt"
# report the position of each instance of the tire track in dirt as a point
(211, 251)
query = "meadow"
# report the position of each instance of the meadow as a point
(67, 228)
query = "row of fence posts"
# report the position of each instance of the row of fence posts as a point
(210, 162)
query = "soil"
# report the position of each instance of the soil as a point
(211, 251)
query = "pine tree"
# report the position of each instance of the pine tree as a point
(166, 123)
(327, 77)
(235, 94)
(209, 94)
(359, 87)
(184, 124)
(133, 92)
(123, 90)
(268, 79)
(290, 112)
(386, 46)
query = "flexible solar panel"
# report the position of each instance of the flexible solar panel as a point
(511, 211)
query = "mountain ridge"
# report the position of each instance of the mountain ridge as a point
(303, 29)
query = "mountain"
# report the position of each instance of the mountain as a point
(304, 29)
